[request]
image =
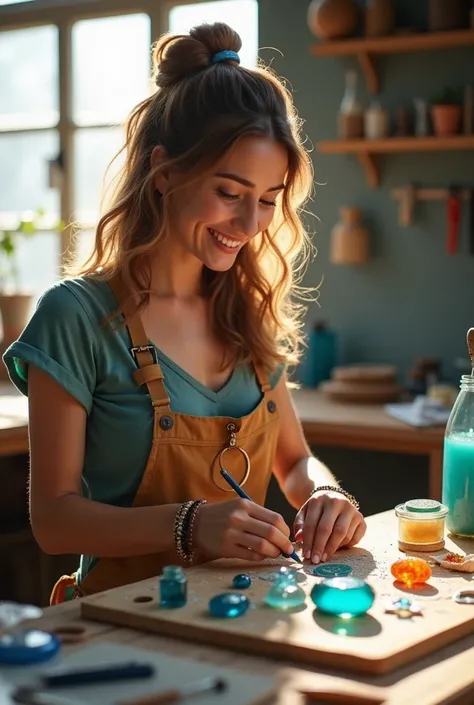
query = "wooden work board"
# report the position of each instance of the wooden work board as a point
(375, 643)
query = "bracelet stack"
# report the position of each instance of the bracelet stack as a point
(333, 488)
(184, 526)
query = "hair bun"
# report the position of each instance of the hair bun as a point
(178, 55)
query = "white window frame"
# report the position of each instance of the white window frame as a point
(63, 14)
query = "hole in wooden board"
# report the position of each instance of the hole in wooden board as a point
(70, 633)
(143, 598)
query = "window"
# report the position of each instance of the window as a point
(241, 15)
(110, 74)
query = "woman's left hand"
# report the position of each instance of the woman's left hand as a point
(326, 522)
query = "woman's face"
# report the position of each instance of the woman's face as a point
(214, 218)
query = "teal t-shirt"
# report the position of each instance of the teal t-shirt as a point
(66, 338)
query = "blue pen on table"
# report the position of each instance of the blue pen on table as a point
(230, 481)
(99, 674)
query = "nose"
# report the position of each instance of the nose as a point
(246, 220)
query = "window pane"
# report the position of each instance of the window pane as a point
(38, 261)
(94, 148)
(241, 15)
(14, 2)
(84, 244)
(111, 67)
(29, 77)
(24, 177)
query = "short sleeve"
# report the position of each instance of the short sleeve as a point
(60, 340)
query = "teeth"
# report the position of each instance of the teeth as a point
(225, 241)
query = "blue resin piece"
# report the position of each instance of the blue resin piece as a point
(346, 597)
(28, 646)
(242, 581)
(332, 570)
(173, 587)
(285, 593)
(228, 605)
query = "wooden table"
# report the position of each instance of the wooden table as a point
(447, 674)
(325, 423)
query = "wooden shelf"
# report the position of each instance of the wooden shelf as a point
(366, 48)
(368, 150)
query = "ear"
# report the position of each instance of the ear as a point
(158, 156)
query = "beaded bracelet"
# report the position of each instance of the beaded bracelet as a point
(183, 528)
(189, 522)
(332, 488)
(179, 524)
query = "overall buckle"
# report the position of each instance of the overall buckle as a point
(144, 348)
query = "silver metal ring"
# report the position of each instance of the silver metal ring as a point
(247, 467)
(464, 597)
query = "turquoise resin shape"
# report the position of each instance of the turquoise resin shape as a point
(347, 596)
(285, 593)
(242, 581)
(228, 605)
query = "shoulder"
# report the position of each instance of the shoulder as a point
(84, 296)
(277, 374)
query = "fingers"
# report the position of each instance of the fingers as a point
(267, 516)
(260, 536)
(340, 529)
(298, 524)
(358, 534)
(247, 554)
(328, 514)
(313, 515)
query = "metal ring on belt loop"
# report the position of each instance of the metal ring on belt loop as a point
(247, 466)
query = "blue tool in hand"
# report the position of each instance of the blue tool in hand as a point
(230, 481)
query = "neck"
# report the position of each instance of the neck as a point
(176, 274)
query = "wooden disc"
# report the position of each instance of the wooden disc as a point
(361, 392)
(405, 546)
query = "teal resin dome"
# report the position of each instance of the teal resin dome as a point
(345, 596)
(285, 593)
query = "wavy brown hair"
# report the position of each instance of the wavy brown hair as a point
(200, 111)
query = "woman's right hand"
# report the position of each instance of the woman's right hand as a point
(241, 529)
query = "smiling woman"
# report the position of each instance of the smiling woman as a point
(170, 346)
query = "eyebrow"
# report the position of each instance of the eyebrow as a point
(245, 182)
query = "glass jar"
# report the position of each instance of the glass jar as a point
(421, 525)
(173, 587)
(458, 462)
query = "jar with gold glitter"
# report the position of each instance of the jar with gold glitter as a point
(421, 525)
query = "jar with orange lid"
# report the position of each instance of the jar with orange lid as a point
(421, 525)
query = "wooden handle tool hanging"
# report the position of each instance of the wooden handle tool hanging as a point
(453, 218)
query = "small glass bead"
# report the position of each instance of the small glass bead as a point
(285, 593)
(411, 571)
(242, 581)
(228, 605)
(173, 587)
(345, 596)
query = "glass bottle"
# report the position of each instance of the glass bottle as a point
(173, 587)
(458, 462)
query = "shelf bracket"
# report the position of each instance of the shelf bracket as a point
(370, 165)
(368, 65)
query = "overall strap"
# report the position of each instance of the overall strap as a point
(149, 371)
(262, 377)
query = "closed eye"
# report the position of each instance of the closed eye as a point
(234, 197)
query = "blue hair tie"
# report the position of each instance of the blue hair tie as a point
(226, 55)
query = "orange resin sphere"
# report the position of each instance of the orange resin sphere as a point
(411, 570)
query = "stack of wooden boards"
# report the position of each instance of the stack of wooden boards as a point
(364, 383)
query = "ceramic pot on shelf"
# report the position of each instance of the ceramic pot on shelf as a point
(379, 18)
(446, 119)
(447, 15)
(14, 313)
(333, 19)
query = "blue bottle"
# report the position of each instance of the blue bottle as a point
(173, 587)
(319, 357)
(458, 462)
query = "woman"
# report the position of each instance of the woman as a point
(164, 359)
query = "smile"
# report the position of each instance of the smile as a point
(228, 242)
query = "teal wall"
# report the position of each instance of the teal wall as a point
(412, 299)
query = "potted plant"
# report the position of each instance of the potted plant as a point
(446, 112)
(15, 302)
